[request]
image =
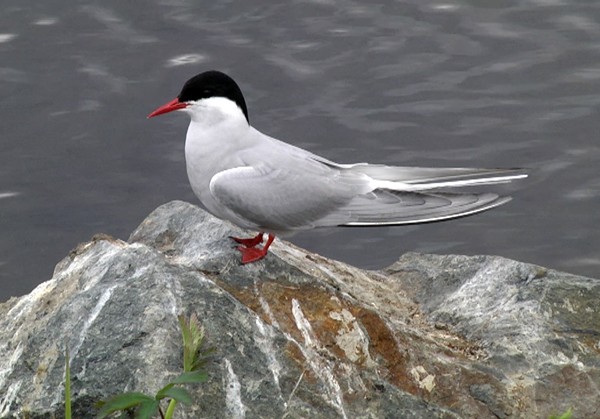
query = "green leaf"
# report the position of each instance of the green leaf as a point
(176, 393)
(567, 415)
(190, 378)
(147, 409)
(122, 402)
(162, 390)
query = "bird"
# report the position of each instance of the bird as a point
(260, 183)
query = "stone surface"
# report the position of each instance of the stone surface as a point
(300, 336)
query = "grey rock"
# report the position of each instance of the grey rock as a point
(300, 336)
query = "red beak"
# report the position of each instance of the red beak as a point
(168, 107)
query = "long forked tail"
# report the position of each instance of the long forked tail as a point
(423, 178)
(410, 195)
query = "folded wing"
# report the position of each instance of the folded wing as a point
(383, 207)
(283, 198)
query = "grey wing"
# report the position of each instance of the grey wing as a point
(384, 207)
(300, 190)
(408, 195)
(277, 199)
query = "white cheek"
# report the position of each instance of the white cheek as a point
(214, 110)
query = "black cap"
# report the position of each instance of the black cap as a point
(213, 84)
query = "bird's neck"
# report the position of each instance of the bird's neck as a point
(215, 134)
(215, 122)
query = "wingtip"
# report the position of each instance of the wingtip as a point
(492, 201)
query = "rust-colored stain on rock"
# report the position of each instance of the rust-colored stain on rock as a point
(393, 356)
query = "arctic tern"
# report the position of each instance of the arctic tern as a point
(260, 183)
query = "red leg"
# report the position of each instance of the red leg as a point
(251, 242)
(252, 254)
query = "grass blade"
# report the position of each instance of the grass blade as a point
(67, 385)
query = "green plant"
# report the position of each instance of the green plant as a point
(567, 415)
(146, 406)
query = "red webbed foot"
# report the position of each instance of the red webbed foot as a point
(252, 254)
(251, 242)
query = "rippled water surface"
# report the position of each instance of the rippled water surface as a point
(440, 83)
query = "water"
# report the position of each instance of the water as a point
(439, 83)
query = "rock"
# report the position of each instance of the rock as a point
(300, 336)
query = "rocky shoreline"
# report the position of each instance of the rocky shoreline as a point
(298, 335)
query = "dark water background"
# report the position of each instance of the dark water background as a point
(434, 83)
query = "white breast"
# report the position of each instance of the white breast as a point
(217, 131)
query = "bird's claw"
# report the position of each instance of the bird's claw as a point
(251, 254)
(250, 242)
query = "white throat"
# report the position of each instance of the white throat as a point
(214, 111)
